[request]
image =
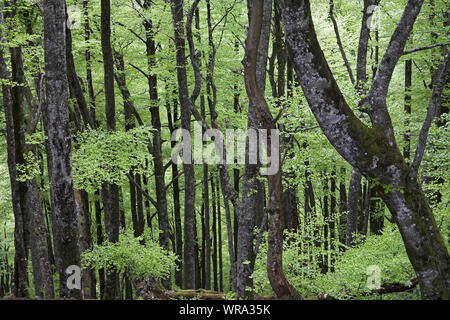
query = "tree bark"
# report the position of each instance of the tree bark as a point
(172, 119)
(186, 105)
(206, 213)
(264, 120)
(160, 186)
(59, 157)
(110, 192)
(20, 276)
(372, 150)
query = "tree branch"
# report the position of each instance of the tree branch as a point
(192, 52)
(376, 97)
(435, 103)
(424, 48)
(339, 42)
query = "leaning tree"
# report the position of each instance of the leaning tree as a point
(373, 149)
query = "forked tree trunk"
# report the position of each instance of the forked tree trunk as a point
(373, 150)
(109, 192)
(261, 113)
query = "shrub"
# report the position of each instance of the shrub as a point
(128, 256)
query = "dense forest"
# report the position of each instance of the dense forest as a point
(224, 150)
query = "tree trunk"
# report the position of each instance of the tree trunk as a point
(214, 232)
(99, 233)
(160, 186)
(110, 192)
(219, 238)
(262, 116)
(372, 150)
(186, 106)
(206, 213)
(176, 197)
(59, 156)
(252, 187)
(20, 277)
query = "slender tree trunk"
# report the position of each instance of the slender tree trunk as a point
(206, 212)
(59, 156)
(262, 115)
(99, 233)
(332, 223)
(198, 279)
(354, 192)
(20, 278)
(85, 241)
(214, 232)
(110, 192)
(219, 239)
(326, 227)
(252, 206)
(380, 158)
(176, 198)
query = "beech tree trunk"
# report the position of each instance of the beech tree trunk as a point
(59, 157)
(372, 150)
(109, 192)
(160, 186)
(172, 118)
(264, 120)
(252, 188)
(186, 105)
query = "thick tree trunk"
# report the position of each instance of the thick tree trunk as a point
(59, 156)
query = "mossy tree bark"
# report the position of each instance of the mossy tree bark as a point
(373, 150)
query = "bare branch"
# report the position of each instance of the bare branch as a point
(424, 48)
(145, 74)
(130, 177)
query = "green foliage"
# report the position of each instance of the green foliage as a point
(29, 169)
(350, 276)
(108, 156)
(129, 256)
